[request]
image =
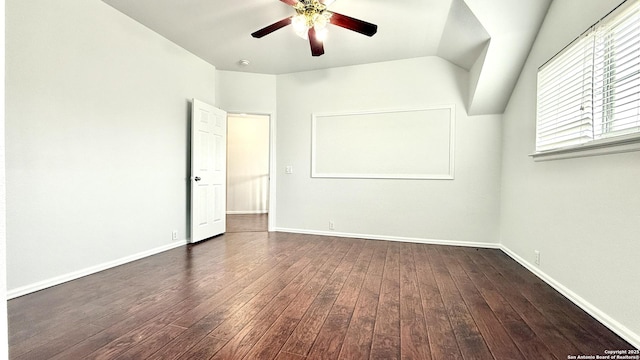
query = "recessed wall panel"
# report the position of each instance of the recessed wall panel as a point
(409, 143)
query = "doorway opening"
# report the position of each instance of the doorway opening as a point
(248, 148)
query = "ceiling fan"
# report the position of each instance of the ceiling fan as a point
(311, 20)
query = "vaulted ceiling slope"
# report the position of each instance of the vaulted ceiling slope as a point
(489, 38)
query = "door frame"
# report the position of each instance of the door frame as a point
(272, 161)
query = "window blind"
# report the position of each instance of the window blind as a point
(564, 97)
(617, 76)
(591, 89)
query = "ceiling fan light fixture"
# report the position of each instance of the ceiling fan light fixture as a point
(299, 23)
(310, 22)
(310, 14)
(321, 20)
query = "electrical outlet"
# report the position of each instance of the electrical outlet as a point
(174, 235)
(537, 259)
(288, 169)
(331, 225)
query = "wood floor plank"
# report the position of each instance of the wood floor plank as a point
(494, 334)
(243, 341)
(440, 332)
(204, 349)
(226, 306)
(235, 322)
(579, 324)
(258, 295)
(329, 340)
(530, 345)
(279, 330)
(99, 287)
(270, 344)
(44, 346)
(288, 356)
(120, 311)
(126, 341)
(225, 302)
(414, 338)
(247, 222)
(470, 340)
(182, 343)
(554, 306)
(557, 343)
(204, 307)
(386, 335)
(111, 334)
(150, 345)
(158, 276)
(359, 336)
(305, 333)
(348, 295)
(195, 332)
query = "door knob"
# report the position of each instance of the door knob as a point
(197, 178)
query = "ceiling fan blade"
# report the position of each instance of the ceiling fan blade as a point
(317, 48)
(354, 24)
(290, 2)
(271, 28)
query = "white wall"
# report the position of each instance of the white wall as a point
(462, 210)
(582, 214)
(246, 92)
(4, 333)
(247, 164)
(97, 112)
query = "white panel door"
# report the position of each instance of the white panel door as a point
(208, 171)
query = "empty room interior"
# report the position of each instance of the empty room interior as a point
(417, 194)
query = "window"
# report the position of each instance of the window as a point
(589, 94)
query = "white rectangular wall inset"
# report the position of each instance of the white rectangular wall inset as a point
(387, 144)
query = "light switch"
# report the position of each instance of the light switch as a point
(288, 169)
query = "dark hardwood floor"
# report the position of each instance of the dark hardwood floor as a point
(259, 295)
(247, 222)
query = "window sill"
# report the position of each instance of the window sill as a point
(616, 145)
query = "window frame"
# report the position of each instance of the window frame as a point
(595, 144)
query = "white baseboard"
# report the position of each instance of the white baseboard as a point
(246, 212)
(40, 285)
(392, 238)
(621, 330)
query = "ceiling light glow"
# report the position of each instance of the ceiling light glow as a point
(299, 23)
(321, 34)
(311, 13)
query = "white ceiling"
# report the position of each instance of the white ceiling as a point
(483, 36)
